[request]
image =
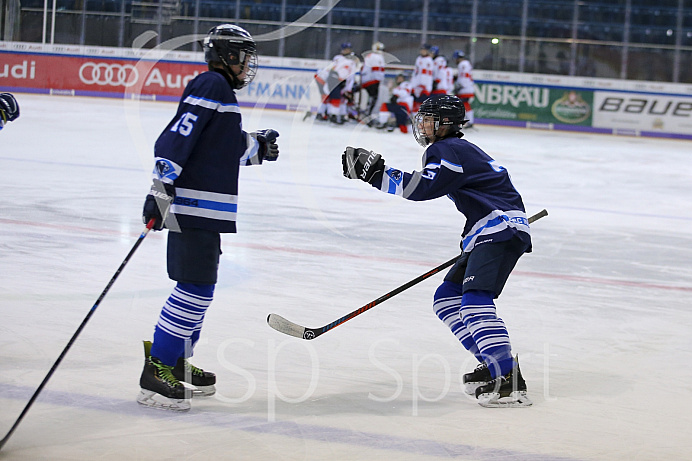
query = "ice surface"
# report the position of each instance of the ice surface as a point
(599, 312)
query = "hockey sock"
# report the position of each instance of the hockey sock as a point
(479, 315)
(180, 322)
(447, 305)
(469, 116)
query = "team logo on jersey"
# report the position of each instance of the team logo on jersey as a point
(165, 169)
(395, 175)
(571, 108)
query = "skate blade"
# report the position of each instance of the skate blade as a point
(203, 391)
(516, 399)
(153, 400)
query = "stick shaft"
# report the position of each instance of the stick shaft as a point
(76, 333)
(312, 333)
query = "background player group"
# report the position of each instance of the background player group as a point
(346, 80)
(194, 194)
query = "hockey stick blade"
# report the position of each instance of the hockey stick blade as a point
(287, 327)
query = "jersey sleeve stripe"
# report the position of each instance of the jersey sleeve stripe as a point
(452, 166)
(211, 104)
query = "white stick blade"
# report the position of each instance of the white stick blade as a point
(285, 326)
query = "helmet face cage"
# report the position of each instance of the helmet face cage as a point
(434, 113)
(231, 45)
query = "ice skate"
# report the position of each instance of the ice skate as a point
(477, 378)
(202, 381)
(506, 391)
(160, 389)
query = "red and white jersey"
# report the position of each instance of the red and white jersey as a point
(346, 68)
(404, 94)
(439, 63)
(445, 84)
(422, 78)
(464, 78)
(373, 68)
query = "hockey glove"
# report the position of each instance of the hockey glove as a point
(158, 203)
(9, 109)
(359, 163)
(268, 148)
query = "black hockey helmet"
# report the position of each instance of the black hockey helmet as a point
(440, 111)
(231, 45)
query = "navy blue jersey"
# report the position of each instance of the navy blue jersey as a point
(481, 190)
(200, 153)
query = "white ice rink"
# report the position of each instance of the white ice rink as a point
(600, 313)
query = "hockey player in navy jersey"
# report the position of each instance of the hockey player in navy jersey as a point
(495, 236)
(197, 161)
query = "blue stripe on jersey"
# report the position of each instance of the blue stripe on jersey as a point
(495, 222)
(207, 204)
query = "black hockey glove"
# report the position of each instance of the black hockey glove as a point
(359, 163)
(9, 109)
(158, 203)
(268, 148)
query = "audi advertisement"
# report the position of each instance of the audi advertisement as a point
(96, 76)
(277, 87)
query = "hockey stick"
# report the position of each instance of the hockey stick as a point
(293, 329)
(144, 233)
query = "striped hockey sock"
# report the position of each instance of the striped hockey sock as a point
(180, 322)
(479, 315)
(447, 305)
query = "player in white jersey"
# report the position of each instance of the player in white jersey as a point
(443, 77)
(345, 67)
(422, 78)
(372, 74)
(464, 84)
(399, 105)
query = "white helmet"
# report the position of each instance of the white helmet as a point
(378, 46)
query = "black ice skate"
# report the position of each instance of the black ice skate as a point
(160, 389)
(506, 391)
(202, 381)
(477, 378)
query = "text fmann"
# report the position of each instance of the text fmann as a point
(512, 95)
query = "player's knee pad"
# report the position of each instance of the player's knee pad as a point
(477, 305)
(447, 299)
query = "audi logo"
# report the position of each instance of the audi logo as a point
(102, 74)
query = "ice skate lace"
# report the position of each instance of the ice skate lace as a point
(193, 369)
(165, 372)
(481, 366)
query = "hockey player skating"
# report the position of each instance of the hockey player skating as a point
(495, 236)
(422, 78)
(341, 83)
(198, 156)
(399, 106)
(9, 109)
(372, 74)
(443, 77)
(463, 86)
